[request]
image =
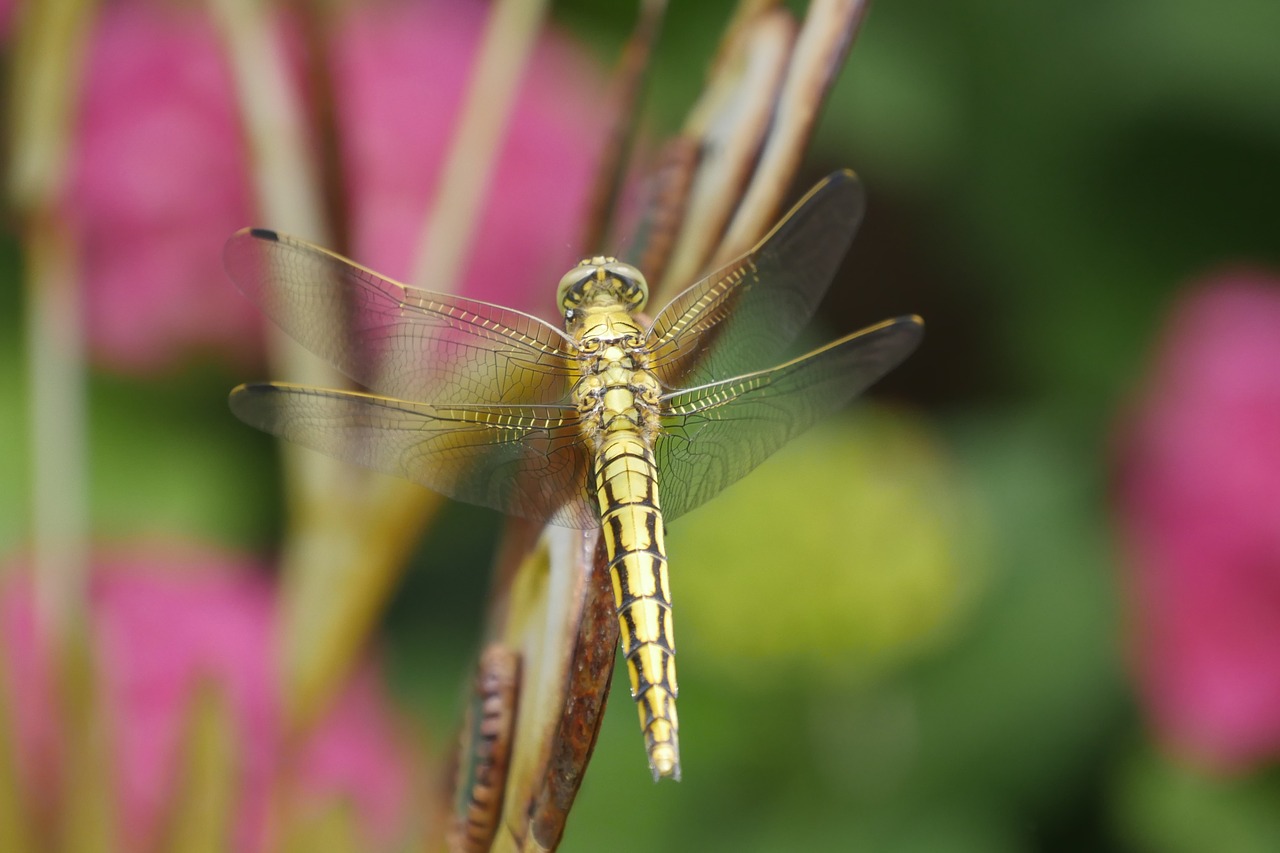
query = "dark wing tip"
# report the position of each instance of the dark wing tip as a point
(247, 388)
(239, 257)
(245, 393)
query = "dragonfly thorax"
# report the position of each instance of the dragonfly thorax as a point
(602, 282)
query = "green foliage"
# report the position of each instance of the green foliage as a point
(167, 461)
(991, 740)
(849, 551)
(1078, 160)
(1166, 806)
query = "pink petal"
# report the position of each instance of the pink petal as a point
(161, 625)
(158, 182)
(160, 173)
(1200, 511)
(401, 72)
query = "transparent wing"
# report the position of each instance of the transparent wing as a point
(398, 340)
(520, 460)
(741, 318)
(713, 435)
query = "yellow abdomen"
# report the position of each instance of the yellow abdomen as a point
(626, 482)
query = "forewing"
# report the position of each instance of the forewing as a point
(741, 318)
(715, 434)
(398, 340)
(520, 460)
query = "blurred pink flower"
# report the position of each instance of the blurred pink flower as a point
(160, 178)
(161, 626)
(8, 10)
(1199, 504)
(158, 182)
(400, 71)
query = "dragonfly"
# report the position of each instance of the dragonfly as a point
(614, 422)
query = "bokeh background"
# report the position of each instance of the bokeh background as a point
(1027, 596)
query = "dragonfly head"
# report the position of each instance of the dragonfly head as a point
(602, 281)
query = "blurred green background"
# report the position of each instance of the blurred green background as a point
(937, 663)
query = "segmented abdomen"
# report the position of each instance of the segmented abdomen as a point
(626, 481)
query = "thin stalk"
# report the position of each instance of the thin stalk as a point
(449, 232)
(45, 83)
(350, 530)
(59, 435)
(624, 120)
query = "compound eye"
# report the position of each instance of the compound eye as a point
(573, 280)
(637, 291)
(622, 270)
